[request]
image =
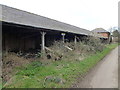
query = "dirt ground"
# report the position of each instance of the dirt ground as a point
(10, 62)
(103, 75)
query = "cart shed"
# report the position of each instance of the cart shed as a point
(24, 31)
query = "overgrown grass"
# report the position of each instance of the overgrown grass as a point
(0, 86)
(57, 74)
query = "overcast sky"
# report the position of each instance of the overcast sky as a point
(87, 14)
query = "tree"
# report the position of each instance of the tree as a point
(115, 33)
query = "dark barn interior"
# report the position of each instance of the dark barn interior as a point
(26, 38)
(19, 38)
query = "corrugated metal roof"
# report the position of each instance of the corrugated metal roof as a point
(13, 15)
(99, 30)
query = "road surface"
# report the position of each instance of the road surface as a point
(104, 74)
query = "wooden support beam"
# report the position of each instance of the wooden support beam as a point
(68, 48)
(63, 37)
(43, 41)
(75, 39)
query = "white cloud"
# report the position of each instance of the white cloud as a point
(88, 14)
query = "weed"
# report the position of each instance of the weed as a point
(61, 73)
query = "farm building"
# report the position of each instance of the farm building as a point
(24, 31)
(103, 34)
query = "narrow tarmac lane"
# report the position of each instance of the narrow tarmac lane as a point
(104, 75)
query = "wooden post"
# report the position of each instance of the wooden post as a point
(75, 39)
(43, 41)
(63, 37)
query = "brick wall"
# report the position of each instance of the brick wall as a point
(104, 34)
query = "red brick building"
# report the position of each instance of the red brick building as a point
(100, 32)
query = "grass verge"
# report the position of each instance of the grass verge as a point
(56, 74)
